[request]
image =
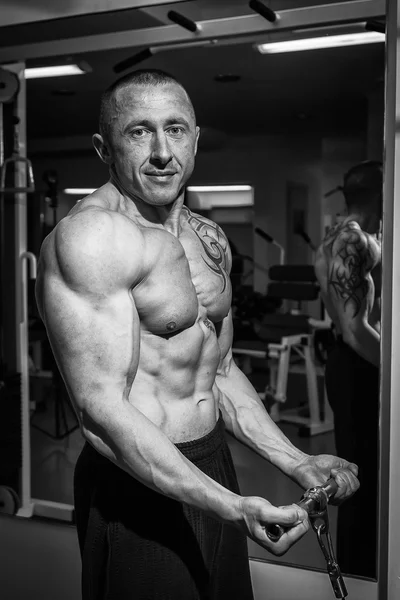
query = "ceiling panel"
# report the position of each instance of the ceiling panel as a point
(76, 27)
(297, 91)
(203, 10)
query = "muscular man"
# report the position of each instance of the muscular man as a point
(348, 267)
(135, 294)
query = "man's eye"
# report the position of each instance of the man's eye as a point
(176, 131)
(138, 133)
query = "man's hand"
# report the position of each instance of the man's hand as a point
(316, 470)
(257, 513)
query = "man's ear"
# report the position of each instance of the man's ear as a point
(197, 139)
(102, 148)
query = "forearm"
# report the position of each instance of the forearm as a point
(132, 442)
(247, 419)
(365, 341)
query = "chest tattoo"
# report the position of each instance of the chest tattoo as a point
(213, 242)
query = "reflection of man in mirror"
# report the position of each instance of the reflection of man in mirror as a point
(135, 294)
(348, 267)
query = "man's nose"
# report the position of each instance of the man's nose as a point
(161, 151)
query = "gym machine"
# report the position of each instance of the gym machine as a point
(16, 188)
(16, 181)
(65, 419)
(286, 341)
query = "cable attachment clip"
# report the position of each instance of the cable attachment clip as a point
(320, 524)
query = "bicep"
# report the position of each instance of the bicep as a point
(95, 342)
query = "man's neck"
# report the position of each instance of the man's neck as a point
(170, 215)
(369, 223)
(147, 214)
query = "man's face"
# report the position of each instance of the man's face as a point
(153, 141)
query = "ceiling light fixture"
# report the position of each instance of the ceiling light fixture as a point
(219, 188)
(54, 71)
(79, 191)
(316, 43)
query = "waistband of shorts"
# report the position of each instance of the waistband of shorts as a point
(206, 446)
(196, 450)
(351, 353)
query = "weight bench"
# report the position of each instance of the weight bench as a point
(286, 343)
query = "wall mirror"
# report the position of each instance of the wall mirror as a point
(279, 130)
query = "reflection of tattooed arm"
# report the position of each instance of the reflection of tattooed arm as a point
(215, 244)
(349, 275)
(353, 255)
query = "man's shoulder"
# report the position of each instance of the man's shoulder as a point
(341, 230)
(348, 242)
(91, 240)
(210, 234)
(94, 222)
(204, 226)
(344, 234)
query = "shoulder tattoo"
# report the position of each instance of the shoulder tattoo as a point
(352, 261)
(215, 245)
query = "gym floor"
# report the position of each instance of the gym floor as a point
(53, 463)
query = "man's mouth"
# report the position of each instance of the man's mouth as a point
(163, 178)
(161, 174)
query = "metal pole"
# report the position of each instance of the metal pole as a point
(389, 513)
(21, 322)
(1, 136)
(1, 250)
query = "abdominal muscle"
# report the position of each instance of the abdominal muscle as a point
(174, 382)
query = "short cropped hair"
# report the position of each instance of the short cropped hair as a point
(152, 77)
(363, 183)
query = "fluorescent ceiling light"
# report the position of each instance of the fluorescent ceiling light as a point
(219, 188)
(192, 188)
(79, 191)
(53, 71)
(207, 197)
(328, 41)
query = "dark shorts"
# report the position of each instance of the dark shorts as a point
(137, 544)
(352, 386)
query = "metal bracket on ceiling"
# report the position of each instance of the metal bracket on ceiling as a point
(264, 11)
(183, 21)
